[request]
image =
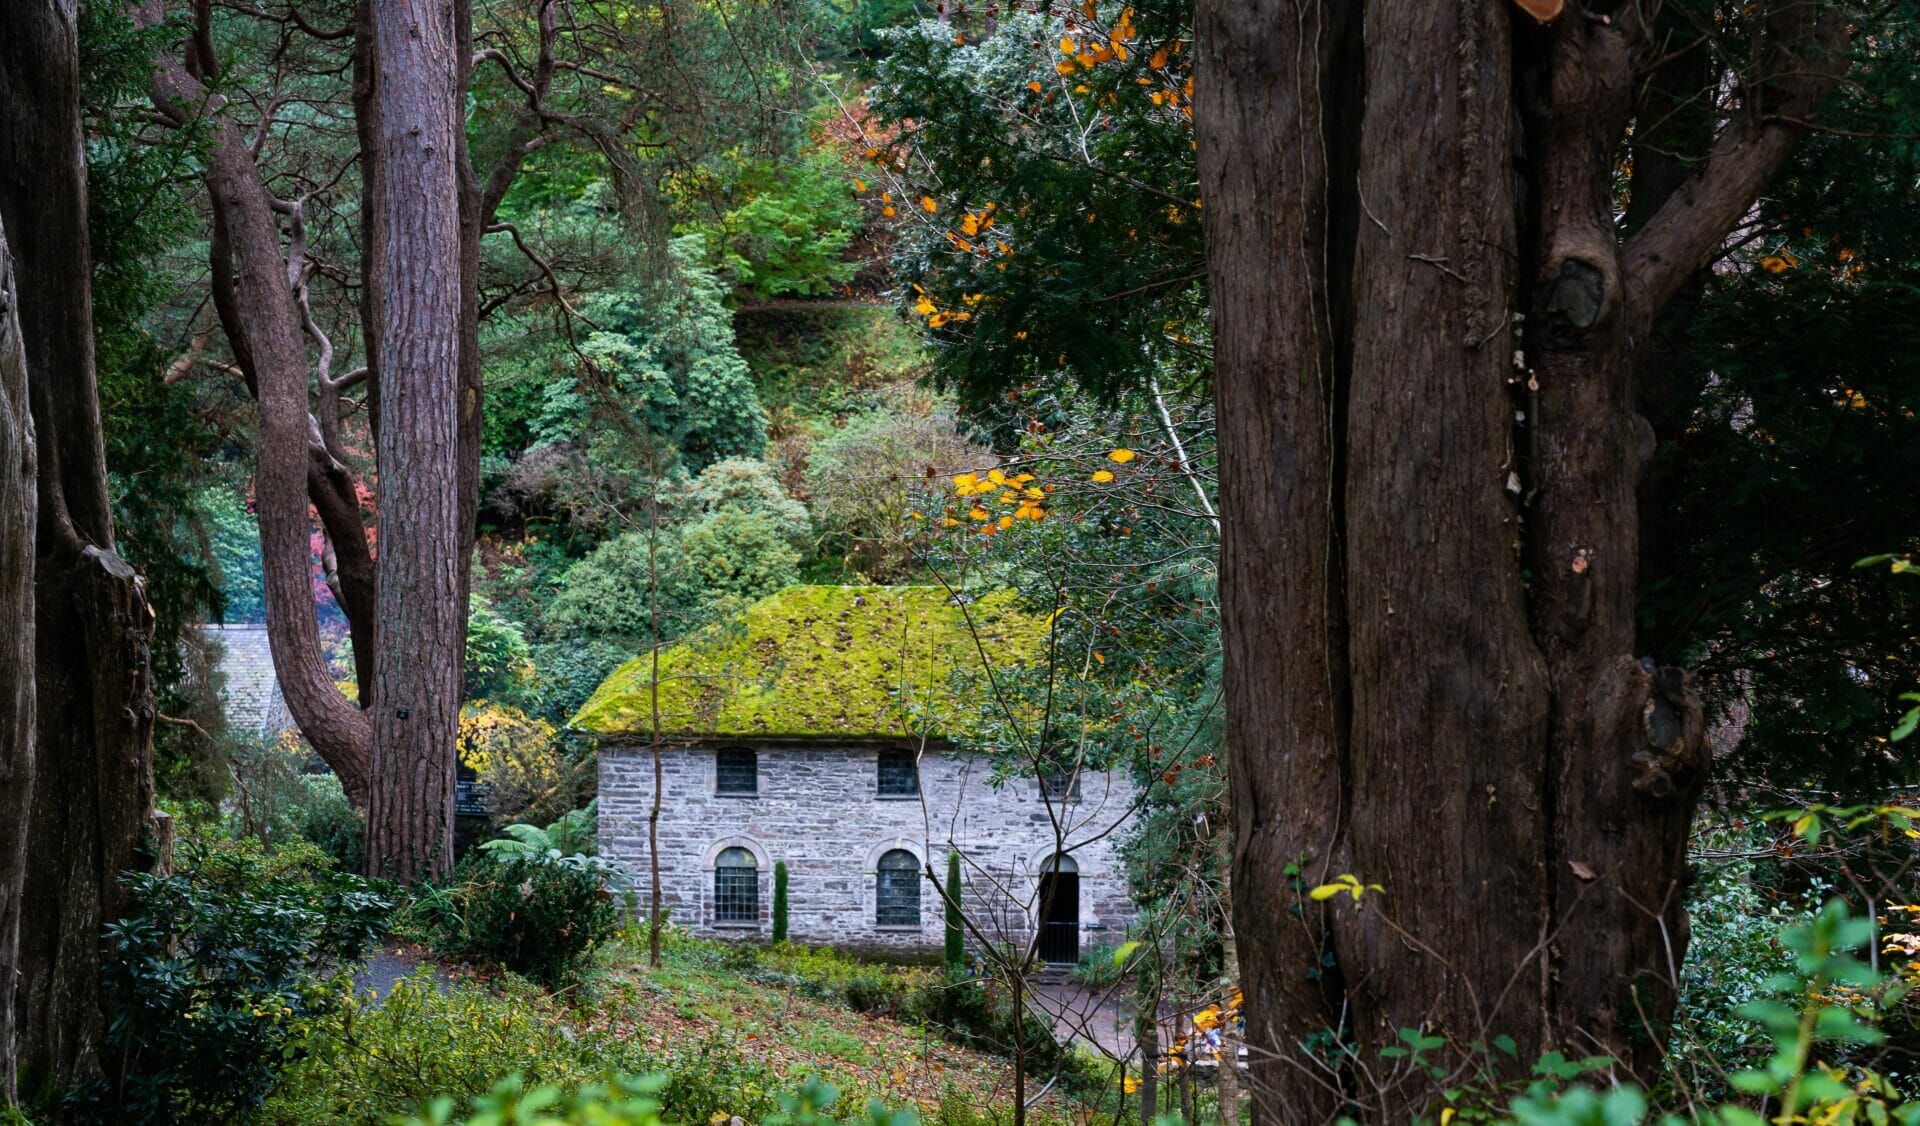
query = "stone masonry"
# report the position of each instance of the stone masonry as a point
(818, 809)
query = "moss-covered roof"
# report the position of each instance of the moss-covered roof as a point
(870, 662)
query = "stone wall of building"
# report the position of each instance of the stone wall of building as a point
(818, 808)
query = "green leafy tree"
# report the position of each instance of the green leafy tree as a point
(498, 662)
(748, 485)
(786, 227)
(738, 555)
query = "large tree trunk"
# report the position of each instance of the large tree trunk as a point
(17, 511)
(1428, 559)
(421, 603)
(92, 790)
(255, 298)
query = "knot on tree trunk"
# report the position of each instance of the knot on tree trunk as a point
(1579, 295)
(1670, 757)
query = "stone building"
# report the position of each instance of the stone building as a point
(823, 729)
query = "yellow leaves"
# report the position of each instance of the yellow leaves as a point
(1034, 86)
(1159, 59)
(1122, 456)
(1778, 263)
(925, 306)
(1345, 882)
(1852, 399)
(859, 185)
(1099, 656)
(1065, 66)
(1130, 1084)
(888, 211)
(928, 205)
(977, 513)
(1446, 1117)
(1068, 46)
(1101, 477)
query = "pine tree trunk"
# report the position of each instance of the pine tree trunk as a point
(421, 602)
(92, 777)
(18, 507)
(254, 298)
(1429, 549)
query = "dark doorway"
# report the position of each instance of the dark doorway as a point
(1060, 911)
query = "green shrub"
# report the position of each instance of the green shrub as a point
(738, 553)
(217, 971)
(498, 662)
(277, 802)
(876, 992)
(977, 1012)
(750, 485)
(780, 901)
(536, 913)
(955, 949)
(369, 1059)
(646, 1101)
(1099, 967)
(446, 1049)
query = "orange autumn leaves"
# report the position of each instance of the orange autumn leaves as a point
(996, 501)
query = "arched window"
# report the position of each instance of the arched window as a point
(736, 771)
(736, 887)
(897, 894)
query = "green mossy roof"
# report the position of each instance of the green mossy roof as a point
(868, 662)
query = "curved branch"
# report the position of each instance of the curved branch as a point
(1810, 55)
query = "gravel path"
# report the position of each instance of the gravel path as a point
(388, 964)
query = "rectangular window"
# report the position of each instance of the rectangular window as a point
(899, 774)
(1061, 785)
(736, 771)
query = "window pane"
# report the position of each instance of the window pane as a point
(736, 887)
(736, 772)
(1061, 785)
(897, 895)
(899, 774)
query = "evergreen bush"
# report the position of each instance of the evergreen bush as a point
(536, 913)
(956, 946)
(780, 901)
(215, 974)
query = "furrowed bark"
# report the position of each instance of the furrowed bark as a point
(1430, 537)
(421, 602)
(18, 508)
(1272, 70)
(92, 778)
(1449, 692)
